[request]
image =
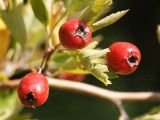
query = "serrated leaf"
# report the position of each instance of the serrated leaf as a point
(154, 114)
(40, 11)
(14, 21)
(96, 70)
(99, 72)
(108, 20)
(92, 12)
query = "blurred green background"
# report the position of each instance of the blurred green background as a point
(137, 26)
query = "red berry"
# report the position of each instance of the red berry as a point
(71, 76)
(33, 90)
(123, 57)
(75, 34)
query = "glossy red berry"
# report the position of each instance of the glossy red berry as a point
(123, 57)
(71, 76)
(75, 34)
(33, 90)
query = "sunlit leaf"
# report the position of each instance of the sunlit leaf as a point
(14, 21)
(94, 10)
(77, 5)
(154, 114)
(4, 39)
(108, 20)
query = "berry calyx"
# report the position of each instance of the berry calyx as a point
(33, 90)
(123, 58)
(71, 76)
(75, 34)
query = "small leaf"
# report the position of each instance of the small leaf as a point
(112, 75)
(97, 70)
(92, 12)
(40, 11)
(93, 53)
(108, 20)
(13, 18)
(154, 114)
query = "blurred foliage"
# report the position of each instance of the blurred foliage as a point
(23, 34)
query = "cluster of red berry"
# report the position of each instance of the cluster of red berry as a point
(123, 58)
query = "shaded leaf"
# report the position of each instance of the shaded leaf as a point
(9, 104)
(108, 20)
(14, 21)
(40, 11)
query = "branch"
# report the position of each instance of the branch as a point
(93, 90)
(114, 96)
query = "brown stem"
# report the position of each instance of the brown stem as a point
(114, 96)
(94, 91)
(46, 57)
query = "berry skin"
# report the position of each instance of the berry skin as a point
(123, 58)
(75, 34)
(71, 76)
(33, 90)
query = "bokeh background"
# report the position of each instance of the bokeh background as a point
(137, 26)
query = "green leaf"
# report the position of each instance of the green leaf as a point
(77, 5)
(9, 104)
(154, 114)
(112, 75)
(40, 11)
(93, 53)
(108, 20)
(23, 117)
(92, 12)
(13, 18)
(82, 62)
(96, 70)
(65, 62)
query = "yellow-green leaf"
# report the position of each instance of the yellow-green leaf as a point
(108, 20)
(92, 12)
(14, 21)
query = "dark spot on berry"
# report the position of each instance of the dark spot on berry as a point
(82, 32)
(30, 98)
(132, 59)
